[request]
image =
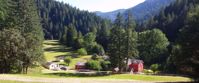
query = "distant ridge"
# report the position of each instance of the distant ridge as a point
(140, 12)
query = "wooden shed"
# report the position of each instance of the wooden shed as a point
(80, 65)
(136, 66)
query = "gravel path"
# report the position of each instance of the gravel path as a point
(64, 80)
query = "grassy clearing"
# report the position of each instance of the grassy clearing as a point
(148, 77)
(79, 59)
(8, 81)
(116, 77)
(53, 48)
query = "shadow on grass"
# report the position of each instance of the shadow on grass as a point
(97, 74)
(177, 82)
(58, 49)
(62, 57)
(51, 43)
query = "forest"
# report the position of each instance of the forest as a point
(168, 40)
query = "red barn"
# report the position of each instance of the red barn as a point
(136, 65)
(80, 65)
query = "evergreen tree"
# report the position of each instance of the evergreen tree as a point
(116, 44)
(78, 43)
(63, 40)
(103, 35)
(185, 53)
(3, 8)
(130, 39)
(23, 17)
(71, 35)
(29, 25)
(12, 46)
(89, 41)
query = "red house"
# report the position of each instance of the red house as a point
(136, 65)
(80, 65)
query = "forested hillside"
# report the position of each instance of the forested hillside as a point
(171, 19)
(179, 22)
(57, 16)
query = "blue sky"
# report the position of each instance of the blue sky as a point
(102, 5)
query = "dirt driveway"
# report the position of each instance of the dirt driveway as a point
(64, 80)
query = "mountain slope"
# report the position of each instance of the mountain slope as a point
(141, 12)
(171, 19)
(110, 15)
(57, 16)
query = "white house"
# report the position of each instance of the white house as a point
(52, 66)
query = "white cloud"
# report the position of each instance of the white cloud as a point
(103, 5)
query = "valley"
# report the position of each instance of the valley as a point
(41, 75)
(55, 41)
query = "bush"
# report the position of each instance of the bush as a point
(82, 51)
(105, 65)
(93, 65)
(148, 71)
(95, 57)
(154, 67)
(68, 60)
(98, 49)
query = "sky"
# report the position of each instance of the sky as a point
(102, 5)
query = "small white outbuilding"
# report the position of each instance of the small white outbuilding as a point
(52, 66)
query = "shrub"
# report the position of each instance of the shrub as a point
(93, 65)
(105, 65)
(68, 60)
(98, 49)
(154, 67)
(82, 51)
(95, 57)
(148, 71)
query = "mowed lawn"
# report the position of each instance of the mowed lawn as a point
(52, 49)
(9, 81)
(148, 77)
(127, 77)
(122, 76)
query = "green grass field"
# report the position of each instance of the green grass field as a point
(52, 49)
(8, 81)
(116, 77)
(147, 77)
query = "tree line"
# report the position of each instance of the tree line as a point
(55, 16)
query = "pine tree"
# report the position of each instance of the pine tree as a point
(185, 53)
(3, 8)
(78, 43)
(103, 35)
(63, 40)
(71, 35)
(12, 46)
(116, 44)
(28, 23)
(130, 39)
